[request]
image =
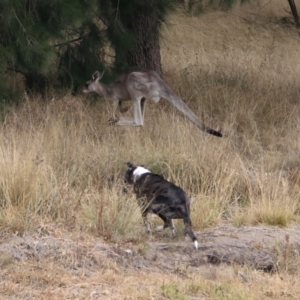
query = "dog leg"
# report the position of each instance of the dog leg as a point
(146, 222)
(166, 223)
(172, 228)
(159, 228)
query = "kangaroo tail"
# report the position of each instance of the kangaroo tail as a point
(213, 132)
(184, 109)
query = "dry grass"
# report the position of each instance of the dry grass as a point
(60, 161)
(48, 280)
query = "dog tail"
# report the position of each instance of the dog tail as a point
(193, 237)
(188, 224)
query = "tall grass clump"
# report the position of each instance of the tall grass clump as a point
(110, 214)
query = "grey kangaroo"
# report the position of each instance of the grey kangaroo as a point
(137, 87)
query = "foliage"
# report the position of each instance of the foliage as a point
(60, 43)
(39, 39)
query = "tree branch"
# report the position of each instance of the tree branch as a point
(68, 42)
(15, 70)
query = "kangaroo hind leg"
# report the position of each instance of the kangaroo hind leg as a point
(137, 111)
(116, 120)
(143, 100)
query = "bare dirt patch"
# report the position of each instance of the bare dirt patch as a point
(47, 265)
(258, 247)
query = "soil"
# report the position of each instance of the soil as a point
(259, 247)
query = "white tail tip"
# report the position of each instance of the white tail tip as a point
(196, 244)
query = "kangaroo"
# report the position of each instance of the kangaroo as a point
(161, 197)
(139, 86)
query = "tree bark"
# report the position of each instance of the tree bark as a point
(145, 50)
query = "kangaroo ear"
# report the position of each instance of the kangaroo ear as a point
(101, 75)
(130, 165)
(97, 76)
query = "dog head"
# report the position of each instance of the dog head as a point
(134, 172)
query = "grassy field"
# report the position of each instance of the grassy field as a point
(61, 164)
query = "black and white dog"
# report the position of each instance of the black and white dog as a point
(161, 197)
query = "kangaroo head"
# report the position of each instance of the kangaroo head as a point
(91, 85)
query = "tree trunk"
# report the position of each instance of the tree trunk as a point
(144, 52)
